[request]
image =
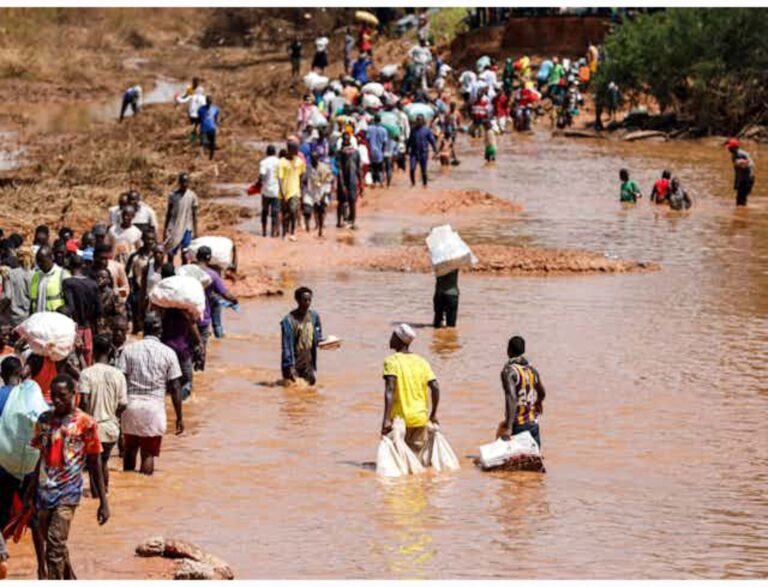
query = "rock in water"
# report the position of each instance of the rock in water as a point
(197, 564)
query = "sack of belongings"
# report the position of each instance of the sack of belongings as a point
(314, 81)
(24, 406)
(192, 270)
(180, 292)
(448, 251)
(49, 334)
(439, 455)
(394, 458)
(222, 250)
(504, 453)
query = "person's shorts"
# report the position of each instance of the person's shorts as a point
(193, 119)
(320, 207)
(208, 138)
(291, 206)
(306, 209)
(106, 450)
(186, 240)
(149, 445)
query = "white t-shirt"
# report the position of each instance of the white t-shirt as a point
(125, 241)
(270, 188)
(321, 43)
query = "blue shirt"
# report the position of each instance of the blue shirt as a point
(209, 118)
(544, 70)
(420, 140)
(5, 391)
(377, 139)
(360, 70)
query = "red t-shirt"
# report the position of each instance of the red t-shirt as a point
(662, 189)
(501, 105)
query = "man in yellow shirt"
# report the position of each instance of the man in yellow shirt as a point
(407, 377)
(289, 173)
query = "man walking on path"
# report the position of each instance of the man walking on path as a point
(289, 174)
(151, 371)
(743, 170)
(270, 192)
(418, 148)
(410, 386)
(46, 290)
(68, 440)
(180, 218)
(81, 294)
(350, 180)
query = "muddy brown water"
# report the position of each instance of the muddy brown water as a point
(654, 433)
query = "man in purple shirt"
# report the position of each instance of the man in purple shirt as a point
(377, 140)
(217, 286)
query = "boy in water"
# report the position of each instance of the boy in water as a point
(630, 192)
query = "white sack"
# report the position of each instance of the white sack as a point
(222, 249)
(440, 455)
(192, 270)
(50, 334)
(389, 71)
(24, 406)
(371, 102)
(374, 88)
(398, 457)
(313, 81)
(500, 451)
(447, 251)
(180, 292)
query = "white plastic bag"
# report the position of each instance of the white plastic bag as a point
(371, 102)
(50, 334)
(440, 455)
(222, 249)
(317, 119)
(448, 251)
(181, 292)
(374, 88)
(314, 81)
(499, 452)
(389, 71)
(192, 270)
(23, 408)
(397, 458)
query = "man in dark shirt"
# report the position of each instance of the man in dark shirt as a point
(446, 299)
(350, 181)
(81, 295)
(294, 51)
(418, 149)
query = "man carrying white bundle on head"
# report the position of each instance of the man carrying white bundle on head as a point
(407, 377)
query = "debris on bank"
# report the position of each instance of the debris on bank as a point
(194, 563)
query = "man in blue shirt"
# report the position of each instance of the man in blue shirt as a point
(418, 149)
(209, 120)
(360, 68)
(377, 139)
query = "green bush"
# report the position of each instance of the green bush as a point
(708, 64)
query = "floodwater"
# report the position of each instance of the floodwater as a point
(654, 432)
(63, 117)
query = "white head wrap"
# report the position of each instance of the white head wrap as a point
(405, 333)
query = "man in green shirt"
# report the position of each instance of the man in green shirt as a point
(446, 299)
(630, 192)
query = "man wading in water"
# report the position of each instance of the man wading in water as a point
(523, 393)
(743, 170)
(407, 377)
(301, 332)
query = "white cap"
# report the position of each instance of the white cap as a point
(405, 333)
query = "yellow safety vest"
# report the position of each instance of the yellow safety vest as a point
(54, 293)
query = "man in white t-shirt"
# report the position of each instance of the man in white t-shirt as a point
(125, 238)
(270, 192)
(145, 216)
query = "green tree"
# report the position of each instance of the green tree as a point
(707, 64)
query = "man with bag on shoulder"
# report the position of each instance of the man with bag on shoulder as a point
(407, 378)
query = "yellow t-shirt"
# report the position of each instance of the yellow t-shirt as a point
(289, 172)
(412, 373)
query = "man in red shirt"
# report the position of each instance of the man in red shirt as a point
(68, 439)
(660, 189)
(501, 109)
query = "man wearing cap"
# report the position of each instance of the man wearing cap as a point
(407, 377)
(743, 169)
(180, 218)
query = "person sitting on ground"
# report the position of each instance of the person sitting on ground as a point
(301, 332)
(125, 238)
(630, 192)
(270, 192)
(104, 396)
(151, 371)
(678, 197)
(523, 393)
(132, 100)
(661, 188)
(68, 440)
(410, 386)
(180, 218)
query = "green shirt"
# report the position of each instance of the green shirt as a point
(629, 191)
(448, 284)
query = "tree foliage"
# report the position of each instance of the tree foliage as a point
(708, 64)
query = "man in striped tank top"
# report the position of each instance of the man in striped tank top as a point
(523, 393)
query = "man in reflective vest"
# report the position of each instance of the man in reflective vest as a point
(45, 290)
